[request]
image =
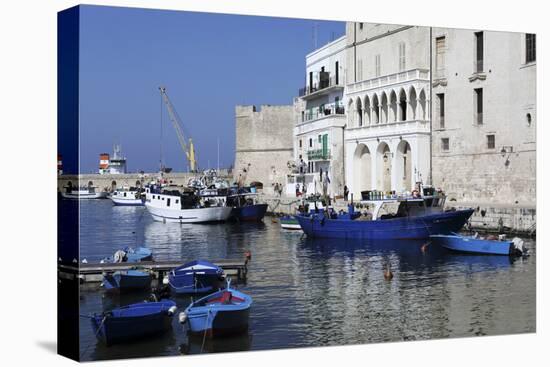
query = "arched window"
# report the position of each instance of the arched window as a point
(528, 116)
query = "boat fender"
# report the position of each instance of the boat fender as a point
(172, 310)
(182, 317)
(118, 257)
(165, 280)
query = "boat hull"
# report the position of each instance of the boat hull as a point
(127, 281)
(249, 213)
(219, 319)
(127, 202)
(112, 328)
(316, 225)
(474, 245)
(199, 215)
(95, 195)
(290, 223)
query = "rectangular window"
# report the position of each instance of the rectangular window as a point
(479, 52)
(530, 47)
(441, 109)
(300, 143)
(402, 56)
(445, 144)
(361, 26)
(478, 105)
(490, 142)
(377, 65)
(440, 56)
(336, 73)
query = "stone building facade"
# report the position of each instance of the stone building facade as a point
(387, 94)
(264, 145)
(484, 125)
(320, 122)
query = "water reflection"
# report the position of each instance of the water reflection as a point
(312, 292)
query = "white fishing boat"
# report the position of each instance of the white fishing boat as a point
(127, 196)
(173, 204)
(87, 192)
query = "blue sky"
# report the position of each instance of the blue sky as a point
(208, 62)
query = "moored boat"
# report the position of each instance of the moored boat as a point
(126, 281)
(131, 255)
(127, 197)
(221, 313)
(86, 192)
(412, 218)
(133, 321)
(290, 222)
(477, 245)
(245, 206)
(185, 206)
(197, 276)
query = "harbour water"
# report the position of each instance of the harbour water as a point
(314, 292)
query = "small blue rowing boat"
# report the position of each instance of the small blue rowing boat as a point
(477, 245)
(130, 255)
(133, 321)
(127, 280)
(222, 313)
(199, 276)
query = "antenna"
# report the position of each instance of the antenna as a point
(218, 154)
(315, 35)
(160, 158)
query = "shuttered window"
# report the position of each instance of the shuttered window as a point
(377, 65)
(440, 55)
(530, 47)
(402, 56)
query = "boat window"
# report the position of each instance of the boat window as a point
(168, 202)
(177, 201)
(124, 194)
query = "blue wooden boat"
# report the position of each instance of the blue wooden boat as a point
(414, 219)
(133, 321)
(138, 254)
(199, 276)
(131, 255)
(476, 245)
(245, 206)
(127, 281)
(221, 313)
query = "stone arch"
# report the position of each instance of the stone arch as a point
(385, 109)
(359, 111)
(367, 109)
(90, 183)
(362, 170)
(422, 103)
(138, 183)
(402, 105)
(375, 109)
(113, 185)
(403, 167)
(384, 164)
(412, 103)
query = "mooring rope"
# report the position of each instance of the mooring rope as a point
(205, 331)
(95, 335)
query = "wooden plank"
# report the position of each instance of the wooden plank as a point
(90, 268)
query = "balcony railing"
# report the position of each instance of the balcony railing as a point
(318, 154)
(327, 111)
(319, 86)
(390, 79)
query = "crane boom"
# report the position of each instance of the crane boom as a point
(189, 150)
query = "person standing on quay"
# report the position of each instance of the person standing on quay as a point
(346, 193)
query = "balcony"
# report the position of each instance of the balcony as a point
(389, 129)
(324, 86)
(328, 110)
(390, 79)
(318, 154)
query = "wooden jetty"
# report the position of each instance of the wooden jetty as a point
(88, 272)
